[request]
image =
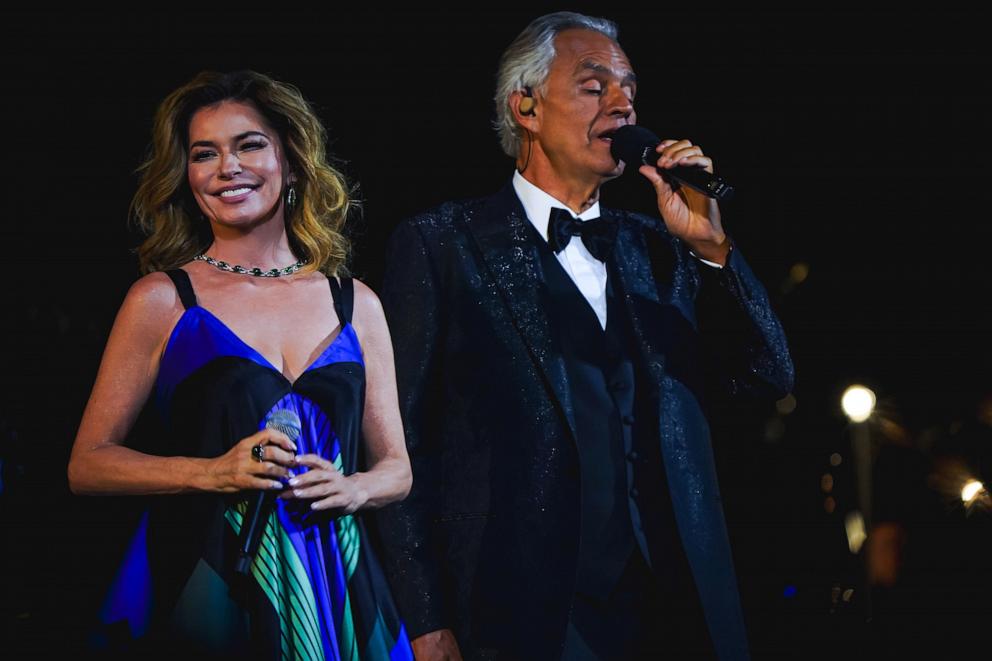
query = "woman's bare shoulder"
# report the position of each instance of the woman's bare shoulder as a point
(152, 303)
(368, 318)
(368, 308)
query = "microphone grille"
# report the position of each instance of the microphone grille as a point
(630, 143)
(285, 421)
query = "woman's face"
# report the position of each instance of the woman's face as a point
(237, 167)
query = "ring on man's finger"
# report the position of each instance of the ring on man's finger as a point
(258, 453)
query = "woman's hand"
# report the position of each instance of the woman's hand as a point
(326, 486)
(239, 469)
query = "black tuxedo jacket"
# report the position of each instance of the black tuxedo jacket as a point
(487, 541)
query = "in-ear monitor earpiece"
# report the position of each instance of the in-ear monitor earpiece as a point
(527, 102)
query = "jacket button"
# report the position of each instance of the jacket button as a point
(618, 386)
(628, 420)
(634, 493)
(633, 456)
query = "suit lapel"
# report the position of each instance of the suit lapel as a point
(500, 231)
(634, 280)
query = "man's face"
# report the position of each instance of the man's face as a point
(589, 93)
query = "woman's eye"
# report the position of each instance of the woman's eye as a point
(201, 156)
(252, 145)
(594, 90)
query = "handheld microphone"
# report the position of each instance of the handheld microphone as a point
(259, 507)
(635, 146)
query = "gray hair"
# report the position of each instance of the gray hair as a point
(527, 61)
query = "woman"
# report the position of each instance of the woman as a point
(268, 373)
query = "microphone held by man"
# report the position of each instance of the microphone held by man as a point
(635, 145)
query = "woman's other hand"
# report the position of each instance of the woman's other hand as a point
(326, 486)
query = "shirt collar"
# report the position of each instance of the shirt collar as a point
(537, 204)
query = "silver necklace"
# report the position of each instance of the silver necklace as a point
(257, 272)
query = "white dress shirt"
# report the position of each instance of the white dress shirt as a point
(587, 272)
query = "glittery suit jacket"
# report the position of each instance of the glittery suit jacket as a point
(487, 541)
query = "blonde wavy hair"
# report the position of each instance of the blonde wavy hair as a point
(164, 208)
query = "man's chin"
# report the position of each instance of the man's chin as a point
(612, 172)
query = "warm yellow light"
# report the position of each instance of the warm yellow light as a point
(854, 525)
(971, 490)
(799, 272)
(786, 405)
(858, 402)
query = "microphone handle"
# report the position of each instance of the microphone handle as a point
(694, 177)
(252, 529)
(257, 512)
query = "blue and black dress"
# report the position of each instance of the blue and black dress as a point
(316, 590)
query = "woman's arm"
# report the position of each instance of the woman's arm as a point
(100, 464)
(388, 477)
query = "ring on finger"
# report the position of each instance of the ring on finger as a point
(258, 453)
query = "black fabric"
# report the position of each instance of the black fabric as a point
(184, 287)
(344, 298)
(621, 624)
(601, 381)
(636, 620)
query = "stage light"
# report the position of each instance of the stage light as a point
(971, 490)
(786, 405)
(797, 275)
(799, 272)
(836, 459)
(854, 525)
(858, 403)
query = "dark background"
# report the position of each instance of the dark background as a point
(858, 144)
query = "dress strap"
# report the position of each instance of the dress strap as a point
(180, 279)
(344, 297)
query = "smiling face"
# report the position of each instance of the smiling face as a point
(588, 94)
(237, 168)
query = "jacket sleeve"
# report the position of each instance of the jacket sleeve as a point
(743, 341)
(410, 297)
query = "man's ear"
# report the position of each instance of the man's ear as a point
(523, 105)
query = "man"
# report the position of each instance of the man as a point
(565, 502)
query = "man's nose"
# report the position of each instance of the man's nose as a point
(619, 103)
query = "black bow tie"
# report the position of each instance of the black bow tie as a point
(598, 235)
